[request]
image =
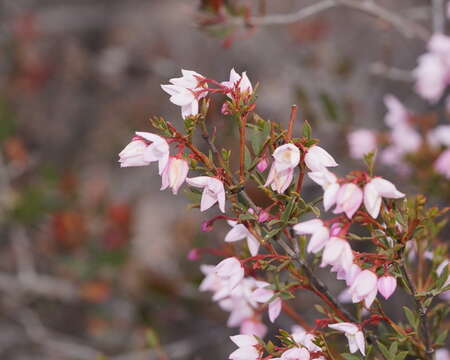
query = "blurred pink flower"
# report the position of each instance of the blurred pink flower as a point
(317, 158)
(439, 136)
(361, 142)
(387, 285)
(442, 164)
(253, 327)
(182, 92)
(349, 198)
(213, 191)
(355, 336)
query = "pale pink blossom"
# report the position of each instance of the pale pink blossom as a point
(338, 254)
(317, 158)
(387, 285)
(364, 287)
(405, 139)
(440, 135)
(320, 234)
(442, 354)
(263, 294)
(240, 232)
(375, 190)
(253, 327)
(263, 216)
(431, 76)
(286, 156)
(351, 274)
(242, 81)
(174, 174)
(355, 336)
(295, 353)
(304, 338)
(213, 191)
(349, 199)
(442, 164)
(397, 115)
(361, 142)
(149, 148)
(246, 348)
(185, 92)
(229, 272)
(328, 181)
(279, 181)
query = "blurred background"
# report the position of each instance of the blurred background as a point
(93, 257)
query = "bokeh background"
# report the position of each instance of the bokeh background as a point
(93, 257)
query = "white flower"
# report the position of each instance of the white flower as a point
(330, 186)
(337, 253)
(374, 190)
(317, 158)
(240, 232)
(245, 85)
(364, 287)
(361, 142)
(184, 92)
(286, 156)
(354, 336)
(174, 174)
(304, 338)
(213, 191)
(264, 294)
(320, 234)
(294, 354)
(279, 181)
(246, 348)
(348, 199)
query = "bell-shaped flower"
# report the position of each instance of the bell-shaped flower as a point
(262, 164)
(337, 253)
(241, 81)
(361, 142)
(295, 353)
(351, 274)
(330, 186)
(279, 181)
(304, 338)
(374, 190)
(364, 287)
(240, 232)
(348, 200)
(320, 234)
(355, 336)
(386, 286)
(230, 272)
(213, 191)
(246, 348)
(185, 92)
(317, 158)
(263, 294)
(174, 174)
(442, 164)
(133, 153)
(286, 156)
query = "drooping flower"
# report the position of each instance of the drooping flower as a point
(361, 142)
(338, 254)
(442, 164)
(213, 191)
(263, 294)
(246, 348)
(144, 149)
(262, 164)
(374, 190)
(348, 200)
(387, 285)
(304, 338)
(317, 158)
(286, 158)
(230, 272)
(330, 186)
(364, 287)
(185, 92)
(254, 327)
(355, 336)
(174, 174)
(240, 232)
(242, 81)
(295, 353)
(320, 234)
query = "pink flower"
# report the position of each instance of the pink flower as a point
(139, 152)
(364, 287)
(245, 86)
(174, 174)
(263, 216)
(286, 158)
(387, 285)
(338, 254)
(397, 114)
(246, 348)
(279, 181)
(264, 294)
(374, 190)
(320, 234)
(440, 135)
(253, 327)
(213, 191)
(349, 198)
(230, 272)
(330, 186)
(294, 354)
(240, 232)
(182, 92)
(355, 336)
(361, 142)
(431, 76)
(317, 158)
(442, 164)
(301, 337)
(351, 274)
(262, 164)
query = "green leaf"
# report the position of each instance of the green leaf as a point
(350, 357)
(247, 158)
(401, 355)
(384, 350)
(411, 317)
(307, 131)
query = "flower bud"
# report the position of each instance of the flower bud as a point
(387, 285)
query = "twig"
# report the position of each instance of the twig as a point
(292, 119)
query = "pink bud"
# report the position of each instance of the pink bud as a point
(206, 226)
(263, 216)
(262, 165)
(387, 285)
(193, 254)
(225, 109)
